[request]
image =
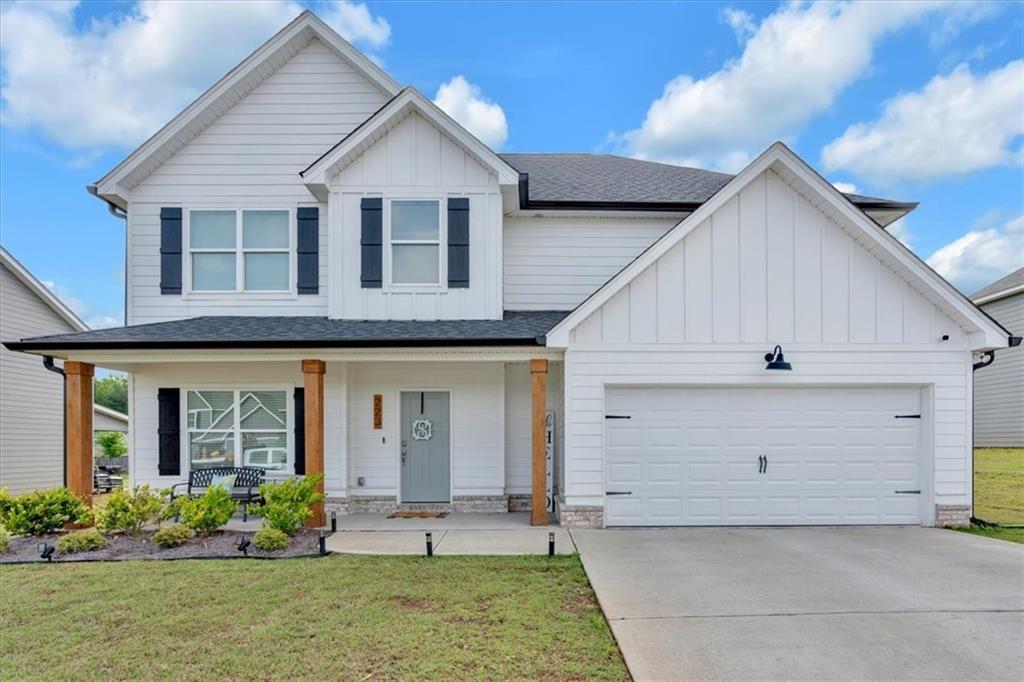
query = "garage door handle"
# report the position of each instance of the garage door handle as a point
(907, 492)
(617, 416)
(619, 492)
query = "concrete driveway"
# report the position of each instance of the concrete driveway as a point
(810, 603)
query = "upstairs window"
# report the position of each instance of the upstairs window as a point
(247, 250)
(416, 243)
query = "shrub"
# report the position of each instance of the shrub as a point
(112, 443)
(288, 504)
(88, 540)
(5, 539)
(172, 536)
(43, 511)
(6, 501)
(270, 539)
(130, 512)
(208, 512)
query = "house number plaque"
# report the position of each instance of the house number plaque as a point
(378, 411)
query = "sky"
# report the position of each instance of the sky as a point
(920, 101)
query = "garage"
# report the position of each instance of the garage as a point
(677, 456)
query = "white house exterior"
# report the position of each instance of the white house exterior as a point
(999, 386)
(308, 224)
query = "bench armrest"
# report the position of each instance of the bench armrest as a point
(176, 486)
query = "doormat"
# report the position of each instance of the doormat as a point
(418, 515)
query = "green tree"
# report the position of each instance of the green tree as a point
(112, 443)
(112, 391)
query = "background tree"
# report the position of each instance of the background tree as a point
(112, 391)
(112, 443)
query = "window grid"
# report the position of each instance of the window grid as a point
(393, 242)
(240, 251)
(234, 428)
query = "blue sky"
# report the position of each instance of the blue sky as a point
(921, 101)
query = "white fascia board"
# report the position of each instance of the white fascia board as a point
(306, 23)
(113, 414)
(41, 291)
(988, 334)
(409, 100)
(1019, 289)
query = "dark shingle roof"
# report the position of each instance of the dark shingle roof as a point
(516, 328)
(1014, 279)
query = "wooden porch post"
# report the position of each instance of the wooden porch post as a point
(539, 377)
(78, 411)
(313, 376)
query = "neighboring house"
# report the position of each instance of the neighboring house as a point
(106, 419)
(328, 273)
(999, 387)
(31, 397)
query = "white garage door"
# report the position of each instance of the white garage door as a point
(762, 456)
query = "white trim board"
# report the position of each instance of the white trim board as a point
(984, 333)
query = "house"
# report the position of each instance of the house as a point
(329, 274)
(999, 387)
(105, 419)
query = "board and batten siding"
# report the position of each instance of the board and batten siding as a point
(999, 388)
(249, 158)
(414, 160)
(31, 397)
(554, 262)
(768, 268)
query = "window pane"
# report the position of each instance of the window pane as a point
(414, 264)
(211, 410)
(211, 449)
(211, 229)
(263, 410)
(265, 229)
(414, 220)
(266, 272)
(266, 450)
(213, 271)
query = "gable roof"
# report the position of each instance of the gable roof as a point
(605, 181)
(42, 291)
(407, 101)
(778, 157)
(107, 412)
(227, 92)
(1001, 288)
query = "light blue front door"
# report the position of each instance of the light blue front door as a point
(425, 443)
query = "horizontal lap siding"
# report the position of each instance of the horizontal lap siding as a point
(250, 158)
(555, 263)
(31, 397)
(999, 388)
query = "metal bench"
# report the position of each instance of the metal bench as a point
(246, 489)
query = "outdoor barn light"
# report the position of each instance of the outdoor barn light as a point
(242, 542)
(776, 360)
(46, 550)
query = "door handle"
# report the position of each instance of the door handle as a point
(619, 492)
(762, 464)
(765, 464)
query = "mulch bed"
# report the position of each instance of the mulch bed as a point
(124, 547)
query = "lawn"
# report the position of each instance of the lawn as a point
(999, 492)
(341, 617)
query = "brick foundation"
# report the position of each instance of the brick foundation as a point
(952, 515)
(387, 504)
(580, 516)
(520, 503)
(481, 504)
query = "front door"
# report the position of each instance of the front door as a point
(425, 456)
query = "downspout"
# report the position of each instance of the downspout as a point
(48, 364)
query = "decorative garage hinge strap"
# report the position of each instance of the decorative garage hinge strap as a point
(907, 416)
(617, 416)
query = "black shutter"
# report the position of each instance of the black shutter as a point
(372, 243)
(299, 429)
(309, 249)
(169, 431)
(170, 250)
(458, 243)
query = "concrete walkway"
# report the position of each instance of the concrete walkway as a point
(455, 534)
(810, 603)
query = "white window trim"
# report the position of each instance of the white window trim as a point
(186, 441)
(239, 250)
(442, 247)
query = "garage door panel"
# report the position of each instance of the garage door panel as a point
(835, 455)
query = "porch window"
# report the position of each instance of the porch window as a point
(248, 250)
(237, 428)
(416, 242)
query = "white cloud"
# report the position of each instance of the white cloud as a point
(113, 82)
(845, 187)
(82, 309)
(741, 22)
(983, 255)
(956, 124)
(899, 229)
(793, 66)
(464, 102)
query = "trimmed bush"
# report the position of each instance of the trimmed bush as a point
(5, 539)
(112, 443)
(270, 539)
(88, 540)
(208, 512)
(130, 512)
(287, 505)
(172, 536)
(42, 511)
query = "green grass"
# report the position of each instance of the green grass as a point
(1008, 534)
(353, 618)
(999, 485)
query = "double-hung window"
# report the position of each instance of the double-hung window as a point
(416, 242)
(237, 428)
(246, 250)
